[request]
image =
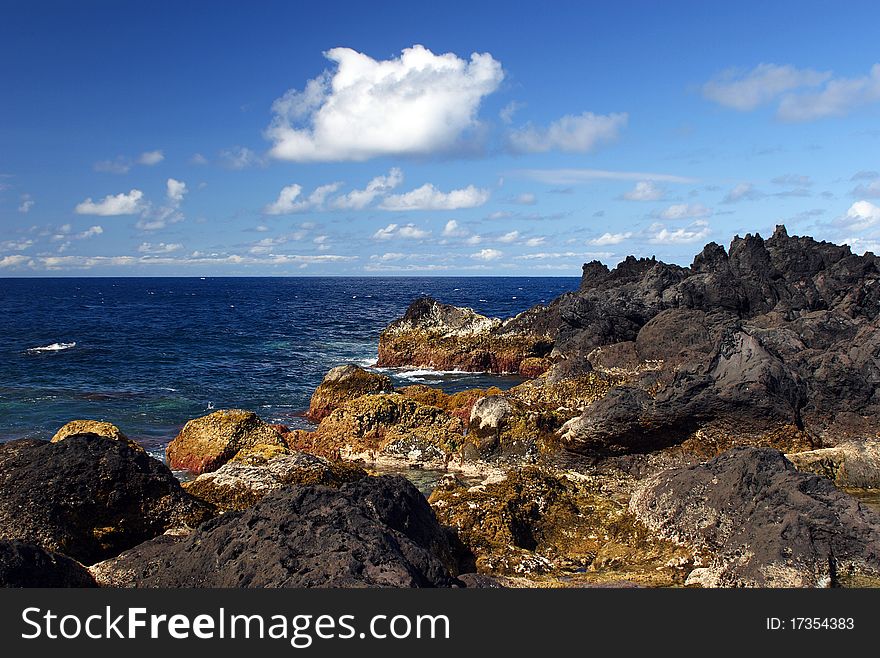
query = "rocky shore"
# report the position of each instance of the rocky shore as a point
(677, 426)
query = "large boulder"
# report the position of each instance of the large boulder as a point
(344, 383)
(99, 427)
(27, 565)
(376, 532)
(755, 521)
(205, 444)
(89, 497)
(241, 483)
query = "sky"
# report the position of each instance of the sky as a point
(403, 138)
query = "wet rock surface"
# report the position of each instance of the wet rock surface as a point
(758, 522)
(89, 497)
(376, 532)
(344, 383)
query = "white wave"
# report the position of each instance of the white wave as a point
(422, 373)
(54, 347)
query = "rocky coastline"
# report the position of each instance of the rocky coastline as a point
(699, 426)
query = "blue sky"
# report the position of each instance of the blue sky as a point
(281, 138)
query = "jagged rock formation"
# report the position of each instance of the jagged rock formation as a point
(758, 522)
(89, 497)
(27, 565)
(376, 532)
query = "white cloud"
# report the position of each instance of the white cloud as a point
(453, 230)
(14, 261)
(427, 197)
(288, 200)
(26, 204)
(150, 158)
(609, 238)
(507, 238)
(507, 112)
(659, 234)
(839, 97)
(379, 186)
(198, 159)
(417, 103)
(645, 191)
(535, 242)
(747, 90)
(118, 204)
(742, 192)
(487, 254)
(175, 190)
(685, 211)
(118, 166)
(240, 157)
(161, 248)
(860, 216)
(389, 256)
(570, 133)
(15, 245)
(792, 180)
(574, 176)
(406, 231)
(474, 240)
(90, 232)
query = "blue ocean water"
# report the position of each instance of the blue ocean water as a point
(148, 354)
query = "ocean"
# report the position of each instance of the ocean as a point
(149, 354)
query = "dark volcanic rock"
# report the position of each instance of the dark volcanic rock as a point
(27, 565)
(89, 497)
(376, 532)
(759, 522)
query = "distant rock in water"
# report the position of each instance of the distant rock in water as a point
(89, 497)
(101, 428)
(776, 340)
(206, 443)
(376, 532)
(444, 337)
(758, 522)
(344, 383)
(27, 565)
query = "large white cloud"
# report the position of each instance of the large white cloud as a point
(840, 96)
(428, 197)
(487, 254)
(113, 204)
(860, 216)
(747, 90)
(416, 103)
(410, 231)
(571, 133)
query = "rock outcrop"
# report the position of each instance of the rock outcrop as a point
(241, 483)
(539, 521)
(376, 532)
(344, 383)
(99, 427)
(389, 424)
(444, 337)
(89, 497)
(853, 464)
(27, 565)
(753, 520)
(206, 443)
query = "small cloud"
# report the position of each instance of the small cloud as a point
(871, 189)
(175, 190)
(289, 199)
(793, 180)
(507, 112)
(118, 204)
(240, 157)
(118, 166)
(685, 211)
(161, 248)
(90, 232)
(860, 216)
(742, 192)
(865, 175)
(427, 197)
(150, 158)
(507, 238)
(607, 239)
(535, 242)
(524, 199)
(26, 203)
(645, 191)
(406, 231)
(487, 254)
(453, 230)
(747, 90)
(578, 134)
(697, 231)
(198, 159)
(379, 186)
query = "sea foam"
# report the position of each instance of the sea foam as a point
(54, 347)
